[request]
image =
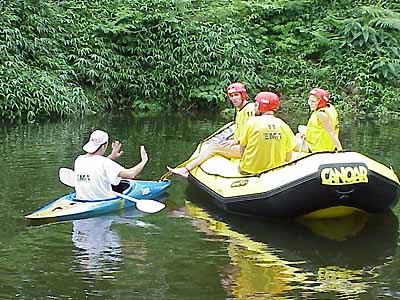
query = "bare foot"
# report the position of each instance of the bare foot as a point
(181, 172)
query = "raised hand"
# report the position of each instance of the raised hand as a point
(143, 154)
(116, 150)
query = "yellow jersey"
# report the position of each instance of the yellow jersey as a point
(242, 115)
(317, 137)
(267, 140)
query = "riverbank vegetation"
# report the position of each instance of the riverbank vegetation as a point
(80, 56)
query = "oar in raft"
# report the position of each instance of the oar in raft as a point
(67, 177)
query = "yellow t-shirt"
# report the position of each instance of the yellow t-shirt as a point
(267, 140)
(317, 137)
(242, 115)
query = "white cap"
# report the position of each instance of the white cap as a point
(97, 138)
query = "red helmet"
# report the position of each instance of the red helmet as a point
(237, 87)
(267, 101)
(322, 95)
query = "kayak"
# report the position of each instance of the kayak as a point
(68, 207)
(317, 185)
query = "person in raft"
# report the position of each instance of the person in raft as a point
(95, 173)
(322, 130)
(267, 141)
(237, 94)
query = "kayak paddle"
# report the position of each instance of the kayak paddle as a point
(67, 177)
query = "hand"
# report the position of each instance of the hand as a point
(116, 150)
(143, 154)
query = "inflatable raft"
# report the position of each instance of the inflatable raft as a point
(318, 185)
(68, 207)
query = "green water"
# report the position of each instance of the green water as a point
(186, 251)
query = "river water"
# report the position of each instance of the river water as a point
(187, 251)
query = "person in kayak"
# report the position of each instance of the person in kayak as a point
(95, 173)
(267, 141)
(322, 130)
(237, 94)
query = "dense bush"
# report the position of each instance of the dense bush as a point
(81, 56)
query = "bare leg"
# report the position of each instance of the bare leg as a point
(181, 172)
(226, 151)
(202, 157)
(229, 151)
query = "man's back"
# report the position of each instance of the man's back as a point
(267, 140)
(94, 176)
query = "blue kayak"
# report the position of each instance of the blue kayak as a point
(68, 207)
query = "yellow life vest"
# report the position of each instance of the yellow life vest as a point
(267, 140)
(317, 137)
(242, 115)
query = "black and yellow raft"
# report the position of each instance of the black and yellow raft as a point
(318, 185)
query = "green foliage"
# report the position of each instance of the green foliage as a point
(376, 30)
(68, 57)
(35, 78)
(354, 54)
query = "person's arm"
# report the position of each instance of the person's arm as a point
(326, 122)
(134, 171)
(291, 142)
(116, 150)
(242, 148)
(288, 156)
(244, 141)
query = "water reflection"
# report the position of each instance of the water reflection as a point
(98, 246)
(255, 271)
(310, 259)
(265, 260)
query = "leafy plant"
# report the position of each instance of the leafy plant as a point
(69, 57)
